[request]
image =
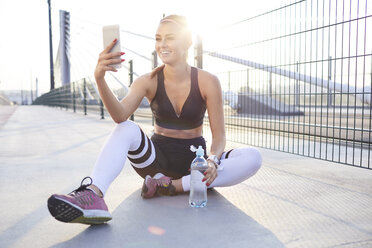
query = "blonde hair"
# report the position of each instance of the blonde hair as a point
(182, 22)
(178, 19)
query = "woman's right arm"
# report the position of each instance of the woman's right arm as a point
(119, 111)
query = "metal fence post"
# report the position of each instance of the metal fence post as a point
(329, 95)
(130, 74)
(102, 110)
(229, 80)
(271, 85)
(60, 103)
(73, 97)
(198, 50)
(154, 59)
(67, 95)
(297, 93)
(85, 97)
(247, 79)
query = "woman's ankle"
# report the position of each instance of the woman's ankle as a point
(178, 185)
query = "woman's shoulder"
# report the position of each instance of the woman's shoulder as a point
(145, 79)
(206, 78)
(208, 83)
(145, 83)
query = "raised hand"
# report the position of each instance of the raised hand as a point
(106, 59)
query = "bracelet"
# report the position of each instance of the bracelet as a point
(215, 164)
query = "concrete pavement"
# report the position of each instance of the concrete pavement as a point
(292, 201)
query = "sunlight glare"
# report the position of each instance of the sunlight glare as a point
(156, 230)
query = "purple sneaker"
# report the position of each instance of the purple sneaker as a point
(157, 186)
(80, 206)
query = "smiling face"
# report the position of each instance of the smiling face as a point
(172, 42)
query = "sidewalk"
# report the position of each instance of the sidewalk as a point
(292, 201)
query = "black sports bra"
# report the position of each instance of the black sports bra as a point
(192, 112)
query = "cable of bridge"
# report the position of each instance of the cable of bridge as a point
(96, 36)
(83, 46)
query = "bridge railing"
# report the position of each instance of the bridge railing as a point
(298, 79)
(295, 79)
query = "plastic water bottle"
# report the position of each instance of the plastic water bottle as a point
(198, 189)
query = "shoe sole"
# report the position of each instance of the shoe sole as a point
(69, 213)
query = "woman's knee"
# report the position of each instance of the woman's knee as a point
(126, 128)
(252, 158)
(127, 124)
(256, 156)
(128, 132)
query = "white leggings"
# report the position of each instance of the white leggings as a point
(128, 141)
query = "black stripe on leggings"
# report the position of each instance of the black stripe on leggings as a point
(145, 157)
(228, 153)
(140, 148)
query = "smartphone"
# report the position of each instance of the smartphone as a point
(110, 33)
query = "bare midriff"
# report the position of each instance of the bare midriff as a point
(179, 134)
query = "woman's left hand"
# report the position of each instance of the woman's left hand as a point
(210, 174)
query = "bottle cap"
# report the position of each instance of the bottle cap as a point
(199, 151)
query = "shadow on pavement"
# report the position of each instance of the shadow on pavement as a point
(170, 222)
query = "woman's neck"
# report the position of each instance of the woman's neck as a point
(176, 73)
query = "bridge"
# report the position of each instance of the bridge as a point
(298, 88)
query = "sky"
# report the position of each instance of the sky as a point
(24, 46)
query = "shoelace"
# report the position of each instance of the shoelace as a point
(82, 186)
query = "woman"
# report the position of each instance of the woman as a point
(179, 95)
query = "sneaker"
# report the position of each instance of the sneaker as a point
(157, 186)
(80, 206)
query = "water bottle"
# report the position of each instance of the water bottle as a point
(198, 189)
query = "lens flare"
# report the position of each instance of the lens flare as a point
(156, 230)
